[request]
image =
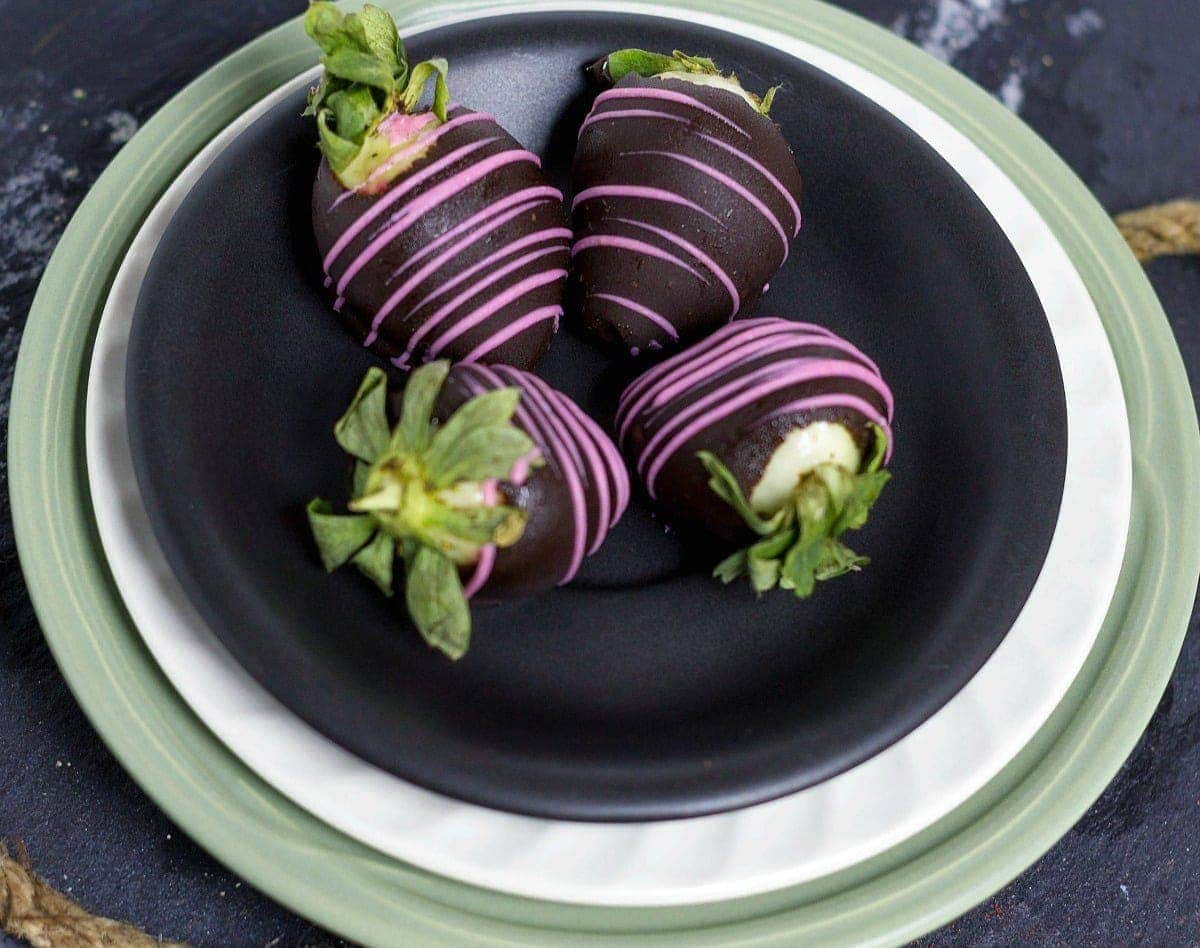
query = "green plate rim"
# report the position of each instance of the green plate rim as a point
(372, 898)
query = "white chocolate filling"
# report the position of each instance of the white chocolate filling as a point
(821, 442)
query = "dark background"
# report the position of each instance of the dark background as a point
(1113, 86)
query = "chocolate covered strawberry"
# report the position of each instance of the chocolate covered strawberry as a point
(438, 233)
(768, 431)
(686, 200)
(482, 480)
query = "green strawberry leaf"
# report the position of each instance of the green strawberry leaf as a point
(358, 481)
(366, 78)
(338, 536)
(436, 602)
(800, 544)
(381, 37)
(763, 559)
(424, 493)
(355, 66)
(339, 151)
(617, 65)
(866, 490)
(641, 62)
(420, 395)
(732, 567)
(768, 100)
(317, 96)
(422, 72)
(376, 559)
(363, 430)
(477, 525)
(323, 22)
(726, 486)
(354, 111)
(838, 560)
(482, 453)
(483, 411)
(638, 61)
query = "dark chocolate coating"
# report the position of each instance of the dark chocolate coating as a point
(540, 213)
(758, 354)
(542, 557)
(744, 228)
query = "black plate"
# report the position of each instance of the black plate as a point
(644, 690)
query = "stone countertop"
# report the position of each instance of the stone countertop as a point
(1111, 85)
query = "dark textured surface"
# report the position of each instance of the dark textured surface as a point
(1112, 87)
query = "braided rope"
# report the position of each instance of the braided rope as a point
(1161, 230)
(33, 911)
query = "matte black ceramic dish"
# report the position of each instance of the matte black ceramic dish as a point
(644, 690)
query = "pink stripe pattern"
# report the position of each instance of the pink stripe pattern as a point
(738, 368)
(761, 169)
(493, 306)
(487, 555)
(415, 280)
(666, 95)
(396, 192)
(530, 197)
(473, 290)
(616, 242)
(446, 262)
(427, 201)
(425, 140)
(636, 307)
(713, 267)
(730, 183)
(575, 448)
(609, 114)
(515, 328)
(640, 193)
(557, 234)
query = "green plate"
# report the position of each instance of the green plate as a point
(372, 898)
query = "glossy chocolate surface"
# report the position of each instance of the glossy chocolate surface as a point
(686, 204)
(464, 256)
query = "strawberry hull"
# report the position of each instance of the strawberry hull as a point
(463, 255)
(768, 431)
(571, 501)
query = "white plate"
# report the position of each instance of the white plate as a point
(830, 826)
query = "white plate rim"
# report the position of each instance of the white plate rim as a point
(858, 814)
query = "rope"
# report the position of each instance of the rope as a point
(31, 910)
(1161, 230)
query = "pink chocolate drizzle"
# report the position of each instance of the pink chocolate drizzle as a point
(763, 170)
(487, 555)
(574, 444)
(616, 242)
(407, 201)
(660, 321)
(427, 200)
(744, 363)
(691, 148)
(724, 179)
(667, 95)
(607, 114)
(642, 193)
(696, 252)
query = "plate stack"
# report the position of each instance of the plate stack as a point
(643, 754)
